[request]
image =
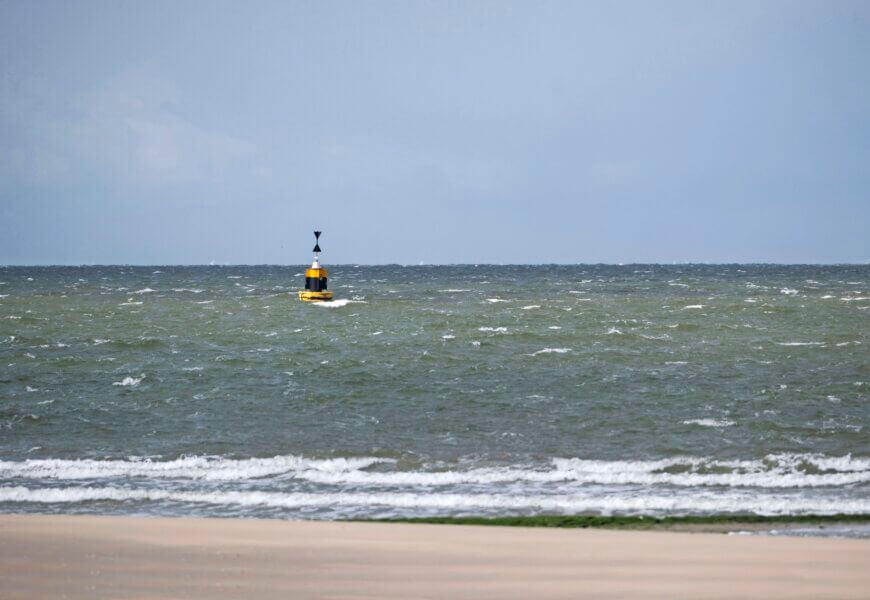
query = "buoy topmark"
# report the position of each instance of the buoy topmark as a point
(315, 278)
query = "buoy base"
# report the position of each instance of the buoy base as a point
(309, 296)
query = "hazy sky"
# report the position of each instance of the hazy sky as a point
(188, 132)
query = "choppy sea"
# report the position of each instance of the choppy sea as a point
(442, 390)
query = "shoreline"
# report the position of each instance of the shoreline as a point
(165, 557)
(782, 524)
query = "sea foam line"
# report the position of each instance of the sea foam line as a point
(568, 503)
(773, 471)
(192, 467)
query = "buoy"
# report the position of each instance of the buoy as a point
(315, 278)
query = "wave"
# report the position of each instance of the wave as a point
(772, 471)
(192, 467)
(716, 503)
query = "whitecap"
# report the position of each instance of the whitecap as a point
(800, 343)
(493, 329)
(494, 300)
(709, 422)
(447, 337)
(338, 303)
(130, 381)
(692, 306)
(531, 306)
(146, 290)
(613, 331)
(551, 351)
(788, 291)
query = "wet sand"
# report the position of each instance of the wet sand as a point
(127, 557)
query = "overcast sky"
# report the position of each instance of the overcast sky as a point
(444, 132)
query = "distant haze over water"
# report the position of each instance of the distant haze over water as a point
(435, 390)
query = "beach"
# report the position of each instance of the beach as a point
(154, 557)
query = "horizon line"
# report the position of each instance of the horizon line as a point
(424, 264)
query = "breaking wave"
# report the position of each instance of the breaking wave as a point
(772, 471)
(566, 503)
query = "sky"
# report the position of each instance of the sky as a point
(410, 132)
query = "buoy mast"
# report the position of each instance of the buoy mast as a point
(315, 277)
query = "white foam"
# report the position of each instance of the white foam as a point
(207, 468)
(551, 351)
(130, 302)
(531, 306)
(338, 303)
(800, 343)
(613, 331)
(783, 471)
(788, 291)
(693, 306)
(447, 337)
(146, 290)
(453, 291)
(494, 300)
(493, 329)
(644, 503)
(554, 327)
(709, 422)
(31, 389)
(130, 381)
(771, 471)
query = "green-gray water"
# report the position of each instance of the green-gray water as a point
(447, 390)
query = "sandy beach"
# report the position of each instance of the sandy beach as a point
(127, 557)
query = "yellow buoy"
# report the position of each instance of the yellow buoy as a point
(315, 278)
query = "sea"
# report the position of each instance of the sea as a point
(435, 391)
